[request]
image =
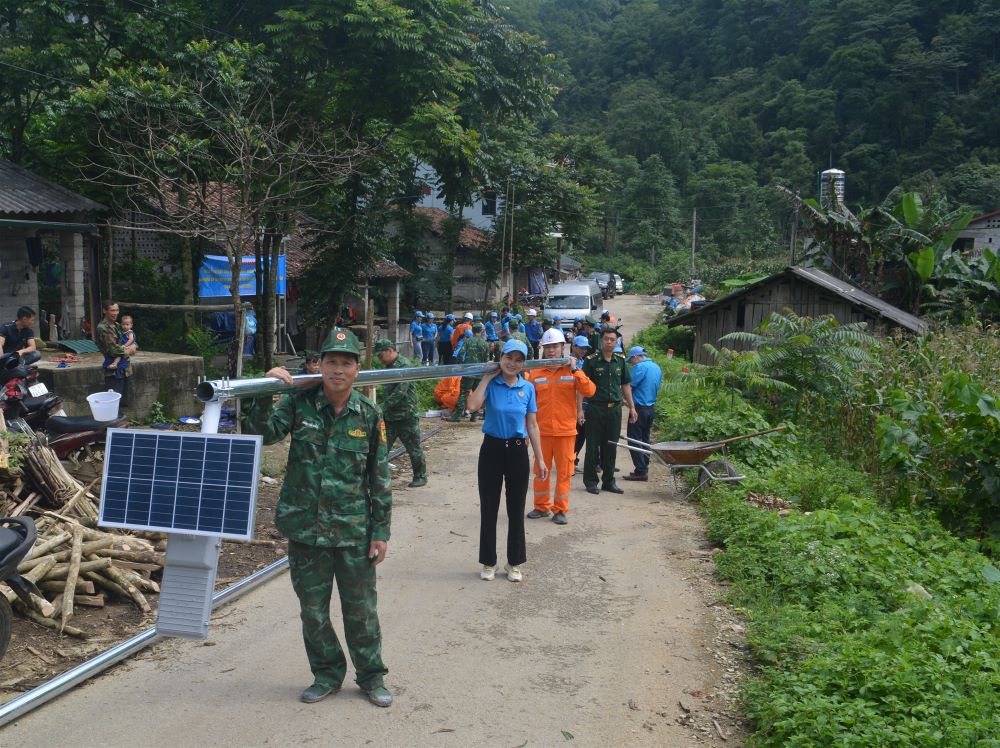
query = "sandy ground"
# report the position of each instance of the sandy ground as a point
(617, 636)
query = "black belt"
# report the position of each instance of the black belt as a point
(516, 441)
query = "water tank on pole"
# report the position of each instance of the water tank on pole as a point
(831, 188)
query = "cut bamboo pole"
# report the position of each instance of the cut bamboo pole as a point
(62, 556)
(59, 571)
(74, 572)
(102, 581)
(119, 578)
(83, 586)
(141, 557)
(90, 601)
(40, 549)
(40, 619)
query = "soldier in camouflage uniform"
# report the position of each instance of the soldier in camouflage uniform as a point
(335, 508)
(399, 408)
(516, 334)
(474, 350)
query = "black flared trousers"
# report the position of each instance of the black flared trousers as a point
(503, 463)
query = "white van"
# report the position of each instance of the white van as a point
(572, 299)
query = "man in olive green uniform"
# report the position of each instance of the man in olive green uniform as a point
(109, 340)
(474, 350)
(593, 332)
(609, 371)
(399, 409)
(335, 508)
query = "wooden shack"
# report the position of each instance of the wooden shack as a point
(807, 291)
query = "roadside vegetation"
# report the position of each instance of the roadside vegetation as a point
(872, 600)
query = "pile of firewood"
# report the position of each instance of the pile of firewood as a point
(72, 562)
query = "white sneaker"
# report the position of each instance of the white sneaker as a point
(488, 573)
(514, 573)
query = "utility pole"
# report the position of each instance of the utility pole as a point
(694, 238)
(795, 231)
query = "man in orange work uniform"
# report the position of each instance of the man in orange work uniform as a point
(559, 392)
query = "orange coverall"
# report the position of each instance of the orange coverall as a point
(556, 395)
(460, 329)
(447, 391)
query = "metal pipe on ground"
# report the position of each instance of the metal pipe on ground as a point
(63, 682)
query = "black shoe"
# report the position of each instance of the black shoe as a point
(636, 476)
(593, 489)
(613, 487)
(317, 692)
(535, 514)
(560, 518)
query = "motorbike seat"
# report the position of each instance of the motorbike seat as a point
(14, 543)
(32, 404)
(75, 424)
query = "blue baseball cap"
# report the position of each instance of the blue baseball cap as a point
(450, 316)
(494, 314)
(581, 340)
(418, 314)
(636, 350)
(430, 315)
(514, 345)
(517, 317)
(578, 319)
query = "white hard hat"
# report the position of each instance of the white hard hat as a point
(532, 313)
(552, 335)
(467, 315)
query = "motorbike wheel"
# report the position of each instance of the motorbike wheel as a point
(6, 621)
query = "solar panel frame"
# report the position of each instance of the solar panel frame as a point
(181, 482)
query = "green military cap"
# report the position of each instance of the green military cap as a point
(477, 318)
(589, 319)
(477, 326)
(608, 328)
(341, 341)
(383, 345)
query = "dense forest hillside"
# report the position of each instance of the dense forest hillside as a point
(724, 91)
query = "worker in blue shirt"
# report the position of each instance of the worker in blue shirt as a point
(534, 331)
(445, 354)
(492, 326)
(417, 334)
(429, 332)
(520, 324)
(646, 379)
(509, 426)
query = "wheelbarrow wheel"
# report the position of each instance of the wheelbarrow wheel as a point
(723, 469)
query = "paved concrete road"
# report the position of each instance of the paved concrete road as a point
(609, 630)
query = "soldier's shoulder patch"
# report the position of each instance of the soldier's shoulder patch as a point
(358, 433)
(592, 357)
(620, 355)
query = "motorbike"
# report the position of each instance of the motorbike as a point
(17, 535)
(29, 409)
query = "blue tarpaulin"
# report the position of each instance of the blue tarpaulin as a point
(214, 277)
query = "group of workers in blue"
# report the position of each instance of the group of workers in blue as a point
(438, 340)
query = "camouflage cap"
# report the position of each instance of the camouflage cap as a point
(477, 326)
(383, 345)
(589, 319)
(608, 328)
(341, 341)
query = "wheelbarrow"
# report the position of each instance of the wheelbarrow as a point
(676, 456)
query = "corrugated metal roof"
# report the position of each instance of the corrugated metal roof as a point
(852, 293)
(79, 346)
(23, 193)
(841, 288)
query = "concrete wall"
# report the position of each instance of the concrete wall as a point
(167, 377)
(18, 282)
(984, 234)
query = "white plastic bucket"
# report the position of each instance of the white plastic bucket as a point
(104, 405)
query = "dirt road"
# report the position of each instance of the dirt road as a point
(615, 637)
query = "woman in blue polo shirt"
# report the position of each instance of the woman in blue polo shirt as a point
(509, 425)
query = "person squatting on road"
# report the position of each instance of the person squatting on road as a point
(335, 509)
(503, 458)
(609, 371)
(646, 378)
(559, 392)
(109, 340)
(399, 409)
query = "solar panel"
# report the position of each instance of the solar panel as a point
(192, 483)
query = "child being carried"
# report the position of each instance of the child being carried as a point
(120, 363)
